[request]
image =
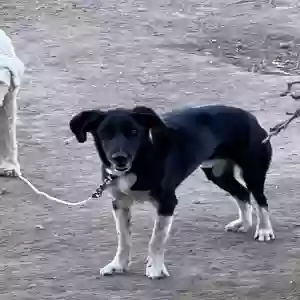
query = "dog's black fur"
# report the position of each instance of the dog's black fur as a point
(159, 153)
(179, 142)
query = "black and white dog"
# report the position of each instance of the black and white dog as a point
(151, 156)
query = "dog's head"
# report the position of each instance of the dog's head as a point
(118, 133)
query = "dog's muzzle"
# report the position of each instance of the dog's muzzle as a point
(121, 161)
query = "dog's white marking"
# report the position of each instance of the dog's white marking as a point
(122, 258)
(244, 222)
(122, 193)
(125, 182)
(218, 166)
(156, 266)
(264, 230)
(123, 198)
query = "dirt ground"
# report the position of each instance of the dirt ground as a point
(166, 54)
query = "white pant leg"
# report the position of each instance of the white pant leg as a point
(8, 139)
(3, 92)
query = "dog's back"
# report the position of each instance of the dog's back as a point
(217, 130)
(224, 121)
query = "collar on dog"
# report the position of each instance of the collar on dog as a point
(108, 179)
(150, 136)
(115, 173)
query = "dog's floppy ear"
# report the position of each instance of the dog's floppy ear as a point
(160, 134)
(85, 121)
(147, 117)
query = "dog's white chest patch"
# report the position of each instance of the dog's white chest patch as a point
(121, 190)
(124, 183)
(140, 196)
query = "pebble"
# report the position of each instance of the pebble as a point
(196, 202)
(286, 45)
(40, 227)
(4, 192)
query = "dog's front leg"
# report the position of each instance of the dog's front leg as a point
(156, 253)
(156, 263)
(121, 260)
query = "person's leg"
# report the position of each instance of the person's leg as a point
(9, 165)
(3, 92)
(5, 80)
(11, 73)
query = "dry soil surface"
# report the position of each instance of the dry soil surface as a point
(166, 54)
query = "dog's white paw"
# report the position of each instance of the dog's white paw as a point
(114, 267)
(244, 222)
(264, 234)
(156, 271)
(238, 226)
(264, 231)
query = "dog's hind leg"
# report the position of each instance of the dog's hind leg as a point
(225, 180)
(255, 180)
(120, 263)
(255, 169)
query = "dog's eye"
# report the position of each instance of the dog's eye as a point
(130, 132)
(133, 132)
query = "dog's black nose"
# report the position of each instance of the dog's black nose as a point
(120, 159)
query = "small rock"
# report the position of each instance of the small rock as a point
(157, 33)
(239, 47)
(142, 9)
(196, 202)
(286, 45)
(40, 227)
(80, 78)
(3, 192)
